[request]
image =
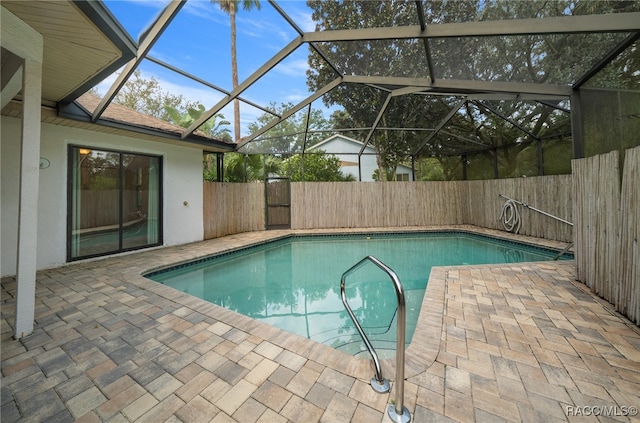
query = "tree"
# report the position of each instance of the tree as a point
(289, 135)
(363, 103)
(213, 127)
(431, 170)
(147, 96)
(318, 167)
(248, 167)
(551, 58)
(231, 7)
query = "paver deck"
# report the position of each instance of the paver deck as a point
(494, 343)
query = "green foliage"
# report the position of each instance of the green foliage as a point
(147, 96)
(509, 128)
(389, 175)
(248, 167)
(231, 6)
(319, 167)
(611, 120)
(288, 136)
(209, 169)
(621, 73)
(557, 156)
(103, 182)
(430, 169)
(241, 167)
(213, 127)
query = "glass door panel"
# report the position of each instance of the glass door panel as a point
(114, 202)
(96, 216)
(140, 201)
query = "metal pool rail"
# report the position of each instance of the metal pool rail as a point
(397, 412)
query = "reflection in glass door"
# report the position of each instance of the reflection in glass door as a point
(114, 202)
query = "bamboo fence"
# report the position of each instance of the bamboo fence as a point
(319, 205)
(551, 194)
(375, 204)
(232, 208)
(597, 192)
(628, 301)
(101, 207)
(607, 228)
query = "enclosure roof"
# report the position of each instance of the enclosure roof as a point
(470, 56)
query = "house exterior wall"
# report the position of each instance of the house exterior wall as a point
(182, 181)
(347, 151)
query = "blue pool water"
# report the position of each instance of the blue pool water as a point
(294, 283)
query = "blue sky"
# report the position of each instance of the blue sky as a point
(198, 42)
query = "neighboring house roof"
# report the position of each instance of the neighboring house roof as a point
(119, 113)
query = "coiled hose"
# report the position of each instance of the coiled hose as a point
(510, 216)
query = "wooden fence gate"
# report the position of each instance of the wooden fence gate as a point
(277, 193)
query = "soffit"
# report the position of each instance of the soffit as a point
(77, 53)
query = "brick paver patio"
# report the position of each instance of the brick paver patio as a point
(495, 343)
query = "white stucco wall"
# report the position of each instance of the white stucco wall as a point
(182, 181)
(347, 149)
(368, 165)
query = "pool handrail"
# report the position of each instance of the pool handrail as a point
(397, 412)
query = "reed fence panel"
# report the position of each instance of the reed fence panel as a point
(99, 208)
(608, 228)
(551, 194)
(628, 301)
(317, 205)
(231, 208)
(596, 183)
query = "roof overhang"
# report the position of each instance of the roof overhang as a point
(83, 44)
(74, 115)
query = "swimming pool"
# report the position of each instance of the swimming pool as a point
(294, 283)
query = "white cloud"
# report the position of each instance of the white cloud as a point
(207, 10)
(104, 86)
(295, 96)
(304, 21)
(263, 29)
(296, 68)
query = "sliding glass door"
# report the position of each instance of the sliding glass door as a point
(114, 202)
